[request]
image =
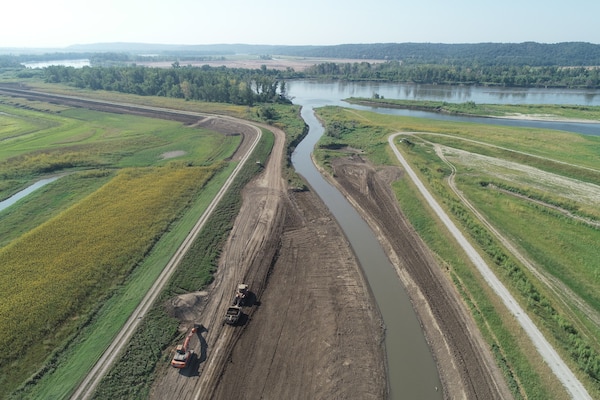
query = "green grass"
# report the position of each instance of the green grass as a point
(79, 138)
(367, 133)
(48, 201)
(567, 248)
(90, 147)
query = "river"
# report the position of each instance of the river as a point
(412, 373)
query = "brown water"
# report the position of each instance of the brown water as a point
(412, 373)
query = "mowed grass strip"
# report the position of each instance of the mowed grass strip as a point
(56, 272)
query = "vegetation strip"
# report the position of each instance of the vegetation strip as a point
(131, 378)
(76, 257)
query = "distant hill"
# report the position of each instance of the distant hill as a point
(527, 53)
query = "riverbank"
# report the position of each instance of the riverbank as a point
(524, 112)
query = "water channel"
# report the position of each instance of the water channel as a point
(412, 373)
(28, 190)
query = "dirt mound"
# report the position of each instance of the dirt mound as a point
(185, 307)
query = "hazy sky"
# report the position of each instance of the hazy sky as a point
(59, 23)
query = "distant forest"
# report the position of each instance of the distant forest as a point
(515, 54)
(529, 64)
(496, 75)
(567, 54)
(480, 54)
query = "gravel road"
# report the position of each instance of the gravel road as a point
(549, 354)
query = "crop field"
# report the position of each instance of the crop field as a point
(539, 189)
(64, 249)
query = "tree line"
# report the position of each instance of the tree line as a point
(490, 75)
(488, 54)
(518, 54)
(213, 84)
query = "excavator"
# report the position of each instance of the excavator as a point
(182, 353)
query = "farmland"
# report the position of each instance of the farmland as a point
(464, 148)
(68, 246)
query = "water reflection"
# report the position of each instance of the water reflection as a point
(336, 90)
(319, 94)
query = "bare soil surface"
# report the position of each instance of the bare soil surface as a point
(312, 329)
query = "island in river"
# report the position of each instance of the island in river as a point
(539, 112)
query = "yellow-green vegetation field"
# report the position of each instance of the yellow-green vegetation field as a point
(66, 248)
(540, 190)
(55, 271)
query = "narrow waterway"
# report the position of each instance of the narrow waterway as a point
(412, 372)
(28, 190)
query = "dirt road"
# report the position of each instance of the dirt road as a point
(313, 331)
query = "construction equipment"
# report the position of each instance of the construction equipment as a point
(234, 312)
(232, 315)
(240, 295)
(183, 354)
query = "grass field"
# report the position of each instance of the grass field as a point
(514, 160)
(70, 246)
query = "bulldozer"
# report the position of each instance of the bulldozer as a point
(234, 312)
(240, 295)
(182, 353)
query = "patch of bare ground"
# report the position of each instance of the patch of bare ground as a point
(172, 154)
(466, 366)
(185, 307)
(317, 333)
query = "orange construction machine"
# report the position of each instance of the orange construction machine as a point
(183, 353)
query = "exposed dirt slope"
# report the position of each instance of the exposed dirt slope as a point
(316, 334)
(312, 331)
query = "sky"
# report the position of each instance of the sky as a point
(60, 23)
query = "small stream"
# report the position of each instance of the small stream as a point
(412, 373)
(28, 190)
